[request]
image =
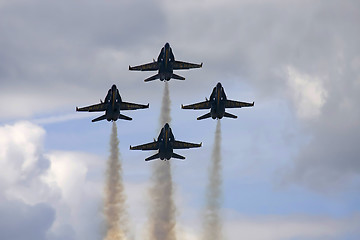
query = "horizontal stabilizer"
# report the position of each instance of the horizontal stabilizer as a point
(155, 156)
(103, 117)
(174, 76)
(229, 115)
(204, 116)
(152, 78)
(174, 155)
(125, 117)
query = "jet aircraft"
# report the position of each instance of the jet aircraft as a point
(165, 143)
(165, 65)
(217, 103)
(112, 106)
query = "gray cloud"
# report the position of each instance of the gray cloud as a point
(49, 50)
(254, 43)
(21, 221)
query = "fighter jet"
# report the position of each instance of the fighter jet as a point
(165, 144)
(217, 103)
(165, 65)
(112, 106)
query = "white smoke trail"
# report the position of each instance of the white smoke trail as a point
(165, 116)
(162, 208)
(212, 220)
(114, 202)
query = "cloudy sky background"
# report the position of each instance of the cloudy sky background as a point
(290, 164)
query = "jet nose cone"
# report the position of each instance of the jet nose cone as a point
(167, 45)
(113, 87)
(166, 126)
(218, 85)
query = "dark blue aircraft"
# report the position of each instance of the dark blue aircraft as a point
(165, 143)
(217, 103)
(112, 106)
(165, 65)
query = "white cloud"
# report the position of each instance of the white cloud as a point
(307, 93)
(78, 177)
(21, 152)
(67, 185)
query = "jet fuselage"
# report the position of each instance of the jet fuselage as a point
(113, 101)
(166, 143)
(165, 60)
(218, 100)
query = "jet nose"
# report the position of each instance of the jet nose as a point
(166, 126)
(167, 45)
(113, 87)
(218, 85)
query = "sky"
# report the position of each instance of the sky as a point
(290, 164)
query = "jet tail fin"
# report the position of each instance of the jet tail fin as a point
(174, 76)
(174, 155)
(155, 156)
(152, 78)
(103, 117)
(229, 115)
(204, 116)
(125, 117)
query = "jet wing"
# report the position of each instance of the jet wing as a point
(132, 106)
(177, 65)
(146, 67)
(236, 104)
(146, 146)
(201, 105)
(93, 108)
(183, 145)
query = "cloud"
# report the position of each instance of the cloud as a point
(291, 227)
(21, 221)
(54, 195)
(78, 179)
(23, 210)
(21, 155)
(303, 53)
(330, 118)
(50, 51)
(308, 94)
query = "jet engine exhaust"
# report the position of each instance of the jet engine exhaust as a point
(114, 203)
(162, 207)
(212, 227)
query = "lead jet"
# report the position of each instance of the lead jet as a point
(217, 103)
(112, 106)
(165, 65)
(165, 143)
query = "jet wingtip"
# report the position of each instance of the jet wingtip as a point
(201, 64)
(253, 104)
(77, 109)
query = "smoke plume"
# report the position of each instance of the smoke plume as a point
(165, 107)
(114, 203)
(162, 207)
(212, 220)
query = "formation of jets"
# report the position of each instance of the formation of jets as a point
(165, 143)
